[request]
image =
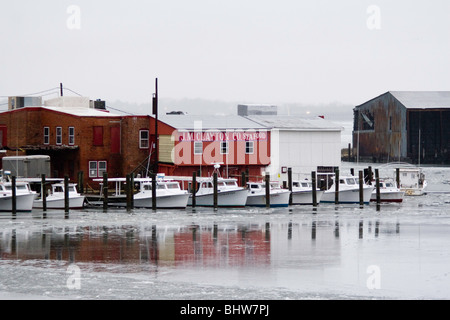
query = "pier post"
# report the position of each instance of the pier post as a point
(80, 182)
(377, 184)
(105, 191)
(132, 190)
(314, 188)
(194, 188)
(336, 187)
(361, 188)
(397, 177)
(43, 193)
(243, 179)
(128, 191)
(215, 195)
(14, 195)
(290, 185)
(154, 204)
(66, 194)
(267, 190)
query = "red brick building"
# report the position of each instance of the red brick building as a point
(80, 138)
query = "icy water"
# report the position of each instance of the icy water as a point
(401, 251)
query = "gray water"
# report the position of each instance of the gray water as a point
(401, 251)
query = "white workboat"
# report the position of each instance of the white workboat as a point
(412, 181)
(168, 195)
(348, 191)
(257, 195)
(388, 192)
(24, 196)
(229, 194)
(302, 193)
(56, 198)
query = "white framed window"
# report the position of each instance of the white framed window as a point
(144, 139)
(198, 147)
(97, 168)
(71, 136)
(249, 147)
(46, 135)
(58, 135)
(224, 147)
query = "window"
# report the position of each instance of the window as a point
(198, 147)
(144, 141)
(98, 136)
(58, 135)
(46, 135)
(71, 136)
(249, 147)
(224, 147)
(97, 168)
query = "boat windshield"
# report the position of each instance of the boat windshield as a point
(351, 181)
(172, 185)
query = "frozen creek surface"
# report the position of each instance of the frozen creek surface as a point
(334, 252)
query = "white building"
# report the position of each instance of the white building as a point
(305, 145)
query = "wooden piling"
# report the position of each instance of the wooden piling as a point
(194, 188)
(377, 184)
(397, 177)
(66, 194)
(132, 190)
(243, 179)
(290, 185)
(128, 191)
(336, 187)
(154, 204)
(14, 195)
(80, 185)
(43, 193)
(215, 196)
(267, 190)
(314, 188)
(361, 188)
(105, 191)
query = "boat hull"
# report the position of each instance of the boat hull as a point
(394, 196)
(348, 196)
(278, 199)
(173, 201)
(24, 202)
(305, 197)
(75, 202)
(228, 198)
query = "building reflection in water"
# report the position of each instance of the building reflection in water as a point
(214, 246)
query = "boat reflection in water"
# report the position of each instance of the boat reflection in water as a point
(215, 246)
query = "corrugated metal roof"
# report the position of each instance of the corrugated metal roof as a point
(423, 99)
(296, 123)
(209, 122)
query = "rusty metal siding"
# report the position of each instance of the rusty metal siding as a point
(386, 139)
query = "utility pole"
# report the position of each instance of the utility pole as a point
(155, 113)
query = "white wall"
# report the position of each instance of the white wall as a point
(303, 151)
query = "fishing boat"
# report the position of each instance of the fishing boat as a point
(412, 181)
(168, 194)
(302, 193)
(257, 195)
(348, 191)
(24, 196)
(56, 198)
(229, 194)
(389, 192)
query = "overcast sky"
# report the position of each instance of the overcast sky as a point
(254, 51)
